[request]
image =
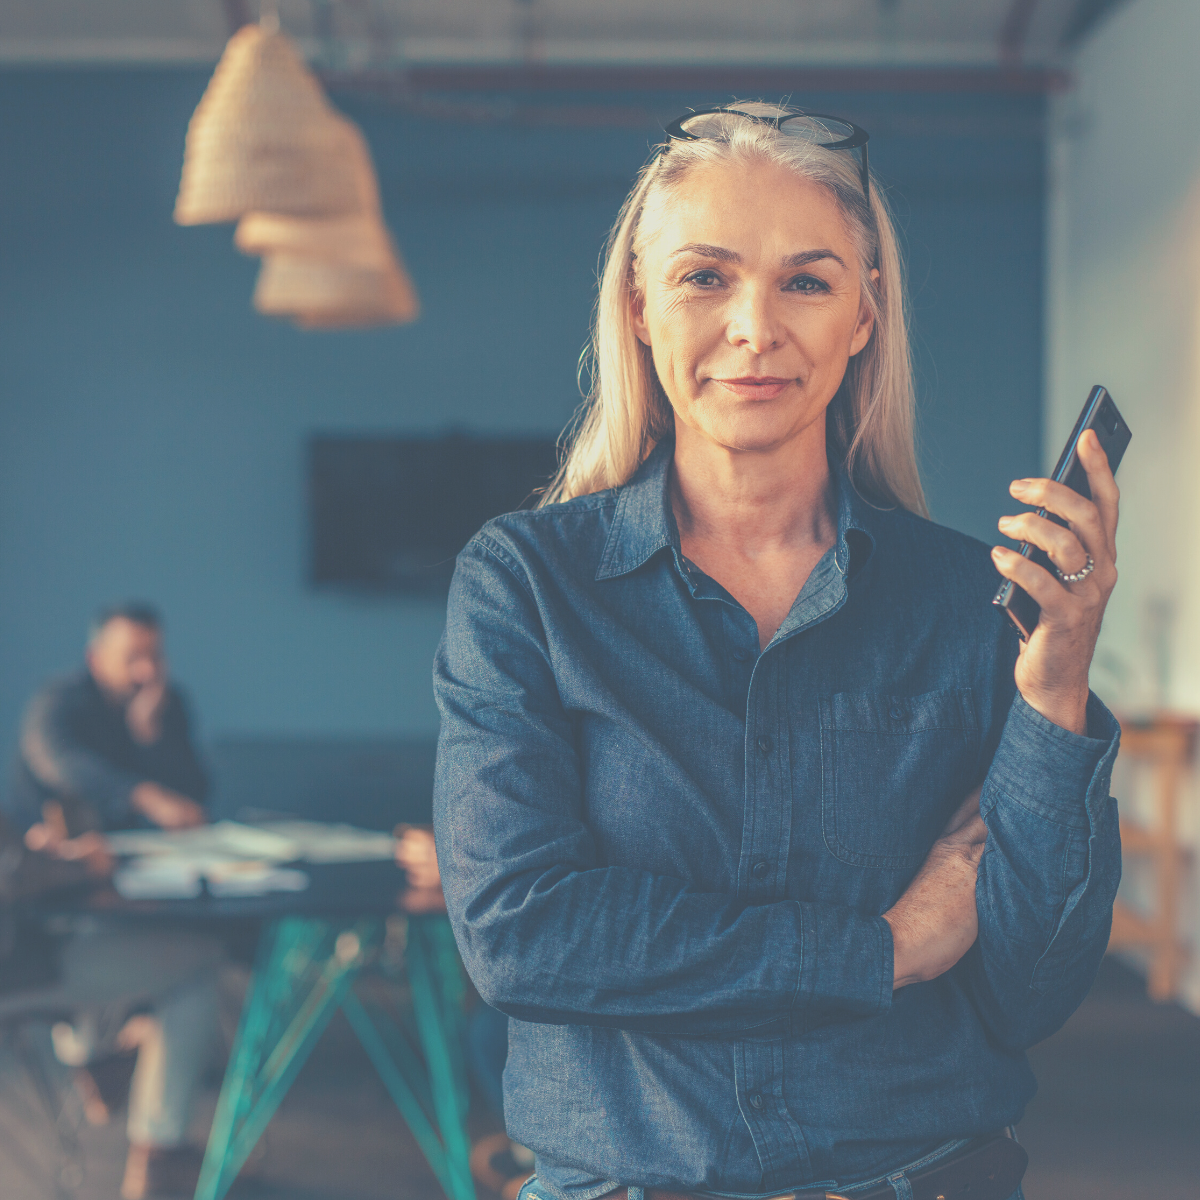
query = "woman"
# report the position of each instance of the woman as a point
(753, 815)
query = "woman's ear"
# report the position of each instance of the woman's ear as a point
(866, 321)
(637, 314)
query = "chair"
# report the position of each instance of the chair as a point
(1165, 745)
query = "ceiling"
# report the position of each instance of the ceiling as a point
(357, 33)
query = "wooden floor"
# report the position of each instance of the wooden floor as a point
(1117, 1117)
(1117, 1114)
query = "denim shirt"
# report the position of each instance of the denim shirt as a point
(665, 853)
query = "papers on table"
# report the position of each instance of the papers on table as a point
(254, 879)
(159, 878)
(235, 859)
(166, 878)
(319, 842)
(222, 839)
(231, 858)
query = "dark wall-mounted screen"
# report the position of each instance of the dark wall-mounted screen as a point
(389, 514)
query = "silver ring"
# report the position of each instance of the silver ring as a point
(1083, 572)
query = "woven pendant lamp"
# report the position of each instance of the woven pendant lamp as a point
(335, 271)
(322, 293)
(360, 240)
(264, 137)
(356, 238)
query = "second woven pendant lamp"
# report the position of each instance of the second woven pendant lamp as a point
(263, 137)
(331, 271)
(323, 293)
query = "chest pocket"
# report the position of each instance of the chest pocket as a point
(893, 769)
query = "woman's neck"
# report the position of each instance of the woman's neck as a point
(756, 523)
(759, 502)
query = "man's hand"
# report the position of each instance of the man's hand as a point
(416, 853)
(167, 809)
(143, 714)
(90, 849)
(935, 922)
(1052, 667)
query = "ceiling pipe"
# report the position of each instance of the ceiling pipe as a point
(734, 80)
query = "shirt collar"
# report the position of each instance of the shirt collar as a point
(644, 523)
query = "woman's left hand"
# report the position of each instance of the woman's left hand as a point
(1052, 666)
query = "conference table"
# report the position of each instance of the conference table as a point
(312, 946)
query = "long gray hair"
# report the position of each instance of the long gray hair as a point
(869, 423)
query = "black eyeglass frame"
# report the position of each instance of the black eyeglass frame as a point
(856, 141)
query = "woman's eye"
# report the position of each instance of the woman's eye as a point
(704, 279)
(806, 285)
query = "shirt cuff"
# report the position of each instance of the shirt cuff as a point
(846, 961)
(1050, 770)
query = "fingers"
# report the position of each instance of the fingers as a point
(1093, 521)
(417, 854)
(1037, 581)
(1064, 548)
(1105, 493)
(39, 837)
(1082, 516)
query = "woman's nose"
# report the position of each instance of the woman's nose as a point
(753, 325)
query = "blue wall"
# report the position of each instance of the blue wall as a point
(152, 426)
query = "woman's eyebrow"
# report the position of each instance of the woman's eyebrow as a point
(805, 257)
(800, 259)
(707, 251)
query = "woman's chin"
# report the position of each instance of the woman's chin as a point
(751, 432)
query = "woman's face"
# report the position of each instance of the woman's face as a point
(752, 304)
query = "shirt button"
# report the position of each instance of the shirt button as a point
(760, 870)
(764, 744)
(756, 1101)
(896, 712)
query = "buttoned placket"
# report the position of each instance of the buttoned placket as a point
(778, 1138)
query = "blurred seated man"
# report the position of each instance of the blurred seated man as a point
(114, 734)
(107, 748)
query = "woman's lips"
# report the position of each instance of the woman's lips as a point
(755, 387)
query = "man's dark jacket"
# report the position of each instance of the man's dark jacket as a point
(76, 748)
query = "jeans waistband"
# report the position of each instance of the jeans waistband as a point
(896, 1177)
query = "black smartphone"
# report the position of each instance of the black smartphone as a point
(1099, 413)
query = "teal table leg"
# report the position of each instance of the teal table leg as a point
(400, 1087)
(442, 1050)
(303, 972)
(448, 971)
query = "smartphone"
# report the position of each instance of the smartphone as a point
(1099, 413)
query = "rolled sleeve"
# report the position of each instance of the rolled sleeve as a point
(846, 963)
(1052, 771)
(1049, 873)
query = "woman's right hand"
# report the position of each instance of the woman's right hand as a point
(935, 922)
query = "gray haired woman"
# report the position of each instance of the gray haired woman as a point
(775, 845)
